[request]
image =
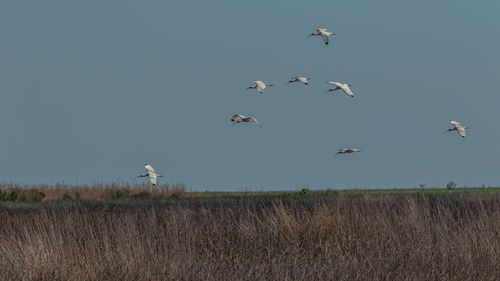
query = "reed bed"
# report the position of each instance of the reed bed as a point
(337, 237)
(45, 192)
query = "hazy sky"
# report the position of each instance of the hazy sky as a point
(91, 90)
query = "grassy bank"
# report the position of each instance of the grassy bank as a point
(118, 191)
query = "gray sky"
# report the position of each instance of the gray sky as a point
(91, 90)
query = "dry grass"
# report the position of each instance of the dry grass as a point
(367, 237)
(37, 193)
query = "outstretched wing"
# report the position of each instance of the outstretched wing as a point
(152, 178)
(151, 173)
(149, 169)
(325, 38)
(348, 91)
(338, 84)
(456, 124)
(460, 128)
(303, 79)
(461, 131)
(236, 117)
(255, 120)
(260, 86)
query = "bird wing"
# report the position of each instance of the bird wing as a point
(456, 124)
(260, 84)
(150, 169)
(461, 131)
(255, 120)
(303, 79)
(324, 37)
(338, 84)
(236, 117)
(152, 177)
(348, 91)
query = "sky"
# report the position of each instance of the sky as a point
(91, 90)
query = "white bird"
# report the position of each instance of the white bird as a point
(458, 127)
(340, 86)
(324, 33)
(260, 86)
(238, 118)
(304, 80)
(347, 150)
(151, 174)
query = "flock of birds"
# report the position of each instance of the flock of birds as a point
(260, 86)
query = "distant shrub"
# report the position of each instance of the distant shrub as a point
(66, 196)
(304, 191)
(451, 185)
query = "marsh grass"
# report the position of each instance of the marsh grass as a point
(98, 191)
(11, 192)
(338, 237)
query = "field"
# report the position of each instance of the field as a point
(121, 232)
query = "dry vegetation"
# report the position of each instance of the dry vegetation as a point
(38, 193)
(338, 237)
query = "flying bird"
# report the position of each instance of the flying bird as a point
(304, 80)
(324, 33)
(459, 128)
(259, 86)
(340, 86)
(347, 150)
(238, 118)
(151, 174)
